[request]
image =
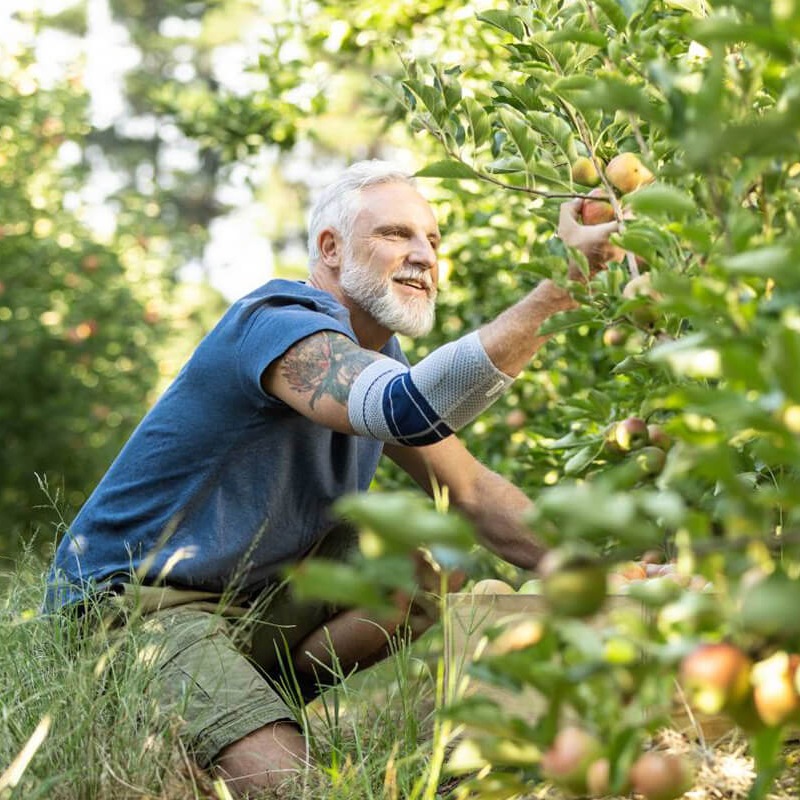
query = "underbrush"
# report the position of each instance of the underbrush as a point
(76, 721)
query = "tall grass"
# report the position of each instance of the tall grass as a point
(76, 721)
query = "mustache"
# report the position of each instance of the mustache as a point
(414, 274)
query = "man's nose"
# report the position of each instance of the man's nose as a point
(423, 254)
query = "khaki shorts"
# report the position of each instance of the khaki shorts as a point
(220, 662)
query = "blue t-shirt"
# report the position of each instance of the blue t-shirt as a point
(221, 484)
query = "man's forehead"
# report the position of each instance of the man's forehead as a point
(396, 200)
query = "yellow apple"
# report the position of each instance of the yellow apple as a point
(627, 173)
(584, 172)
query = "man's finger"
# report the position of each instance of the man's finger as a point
(568, 216)
(605, 228)
(569, 211)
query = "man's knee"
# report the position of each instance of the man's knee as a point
(264, 759)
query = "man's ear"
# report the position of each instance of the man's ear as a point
(330, 248)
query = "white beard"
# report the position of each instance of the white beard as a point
(375, 295)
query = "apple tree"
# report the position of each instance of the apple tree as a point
(663, 416)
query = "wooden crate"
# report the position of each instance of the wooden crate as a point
(468, 616)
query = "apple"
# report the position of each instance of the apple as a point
(628, 434)
(492, 586)
(574, 585)
(594, 210)
(659, 437)
(630, 570)
(627, 173)
(716, 676)
(598, 777)
(567, 760)
(515, 418)
(517, 637)
(532, 586)
(615, 336)
(585, 172)
(774, 688)
(768, 607)
(641, 286)
(661, 776)
(650, 460)
(91, 262)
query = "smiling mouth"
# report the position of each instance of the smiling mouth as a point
(413, 283)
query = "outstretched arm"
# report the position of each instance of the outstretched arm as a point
(493, 504)
(330, 379)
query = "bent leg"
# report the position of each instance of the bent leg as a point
(359, 639)
(233, 720)
(264, 759)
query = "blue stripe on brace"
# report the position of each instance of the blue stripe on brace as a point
(409, 416)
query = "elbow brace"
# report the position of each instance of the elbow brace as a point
(429, 401)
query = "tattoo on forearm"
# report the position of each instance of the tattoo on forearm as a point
(324, 364)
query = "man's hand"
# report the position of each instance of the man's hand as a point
(591, 240)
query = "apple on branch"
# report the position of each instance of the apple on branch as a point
(627, 173)
(585, 172)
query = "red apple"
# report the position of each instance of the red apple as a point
(568, 759)
(594, 210)
(716, 677)
(661, 776)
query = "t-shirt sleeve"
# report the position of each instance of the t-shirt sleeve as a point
(271, 331)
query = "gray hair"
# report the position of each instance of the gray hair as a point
(340, 201)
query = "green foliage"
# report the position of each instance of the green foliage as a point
(707, 100)
(500, 102)
(77, 338)
(89, 323)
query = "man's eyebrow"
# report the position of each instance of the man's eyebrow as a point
(395, 227)
(399, 227)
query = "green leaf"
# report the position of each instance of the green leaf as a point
(616, 16)
(554, 127)
(601, 403)
(520, 134)
(661, 199)
(431, 98)
(506, 166)
(447, 169)
(573, 83)
(335, 582)
(766, 747)
(776, 261)
(727, 30)
(567, 319)
(578, 462)
(784, 356)
(478, 120)
(506, 21)
(612, 93)
(405, 521)
(583, 35)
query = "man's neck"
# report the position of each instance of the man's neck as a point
(371, 335)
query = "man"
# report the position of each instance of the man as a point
(284, 407)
